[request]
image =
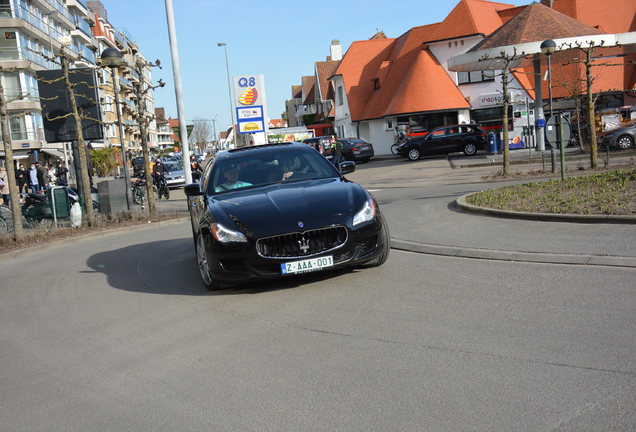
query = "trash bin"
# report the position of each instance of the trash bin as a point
(492, 144)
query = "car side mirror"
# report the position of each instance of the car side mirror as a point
(192, 189)
(347, 167)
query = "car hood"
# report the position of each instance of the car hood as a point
(289, 207)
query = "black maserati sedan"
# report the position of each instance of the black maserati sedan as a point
(278, 210)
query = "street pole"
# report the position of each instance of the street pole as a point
(122, 141)
(229, 90)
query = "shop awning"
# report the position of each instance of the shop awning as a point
(53, 152)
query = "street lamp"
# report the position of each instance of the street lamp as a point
(112, 58)
(547, 48)
(229, 90)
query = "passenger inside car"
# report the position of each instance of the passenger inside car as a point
(230, 175)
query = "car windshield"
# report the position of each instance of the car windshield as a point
(172, 166)
(262, 169)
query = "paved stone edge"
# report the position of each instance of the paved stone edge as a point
(535, 257)
(462, 204)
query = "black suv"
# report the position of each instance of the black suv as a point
(622, 137)
(467, 138)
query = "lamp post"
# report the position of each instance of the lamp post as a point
(112, 58)
(547, 48)
(229, 89)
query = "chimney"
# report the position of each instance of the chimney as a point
(547, 3)
(336, 50)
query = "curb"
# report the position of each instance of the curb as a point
(462, 204)
(525, 257)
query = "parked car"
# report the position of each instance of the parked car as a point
(467, 138)
(622, 137)
(278, 210)
(354, 149)
(322, 144)
(176, 176)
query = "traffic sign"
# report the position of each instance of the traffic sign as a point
(558, 125)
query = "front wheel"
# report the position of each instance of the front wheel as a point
(625, 142)
(386, 247)
(470, 149)
(204, 266)
(394, 149)
(166, 192)
(413, 153)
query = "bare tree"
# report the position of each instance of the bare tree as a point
(504, 61)
(64, 59)
(201, 132)
(18, 231)
(140, 113)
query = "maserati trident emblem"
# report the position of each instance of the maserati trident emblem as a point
(304, 244)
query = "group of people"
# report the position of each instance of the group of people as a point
(37, 179)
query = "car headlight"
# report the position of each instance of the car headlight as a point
(224, 235)
(366, 214)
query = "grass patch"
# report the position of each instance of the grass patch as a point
(607, 193)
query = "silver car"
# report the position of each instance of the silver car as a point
(176, 176)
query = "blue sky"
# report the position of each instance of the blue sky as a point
(281, 39)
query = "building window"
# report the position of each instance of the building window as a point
(339, 95)
(475, 77)
(376, 84)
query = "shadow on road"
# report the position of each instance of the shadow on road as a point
(169, 267)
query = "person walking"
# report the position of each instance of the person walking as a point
(336, 151)
(61, 171)
(4, 186)
(43, 175)
(33, 179)
(22, 179)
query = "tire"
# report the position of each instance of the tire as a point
(625, 142)
(413, 153)
(4, 227)
(470, 149)
(204, 267)
(166, 192)
(384, 255)
(394, 149)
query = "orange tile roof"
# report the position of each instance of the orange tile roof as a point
(359, 67)
(324, 70)
(536, 22)
(617, 16)
(297, 92)
(471, 17)
(308, 89)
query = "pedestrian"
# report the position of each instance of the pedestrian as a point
(22, 179)
(33, 178)
(61, 172)
(336, 151)
(43, 176)
(52, 177)
(4, 186)
(399, 134)
(196, 168)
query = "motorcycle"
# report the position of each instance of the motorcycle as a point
(39, 207)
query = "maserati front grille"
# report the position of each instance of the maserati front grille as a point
(302, 244)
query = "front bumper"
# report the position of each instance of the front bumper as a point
(233, 264)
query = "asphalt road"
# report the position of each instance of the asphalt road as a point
(118, 333)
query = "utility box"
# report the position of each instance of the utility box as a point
(112, 196)
(60, 201)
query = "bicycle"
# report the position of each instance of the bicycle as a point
(398, 141)
(5, 227)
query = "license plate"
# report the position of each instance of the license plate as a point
(306, 266)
